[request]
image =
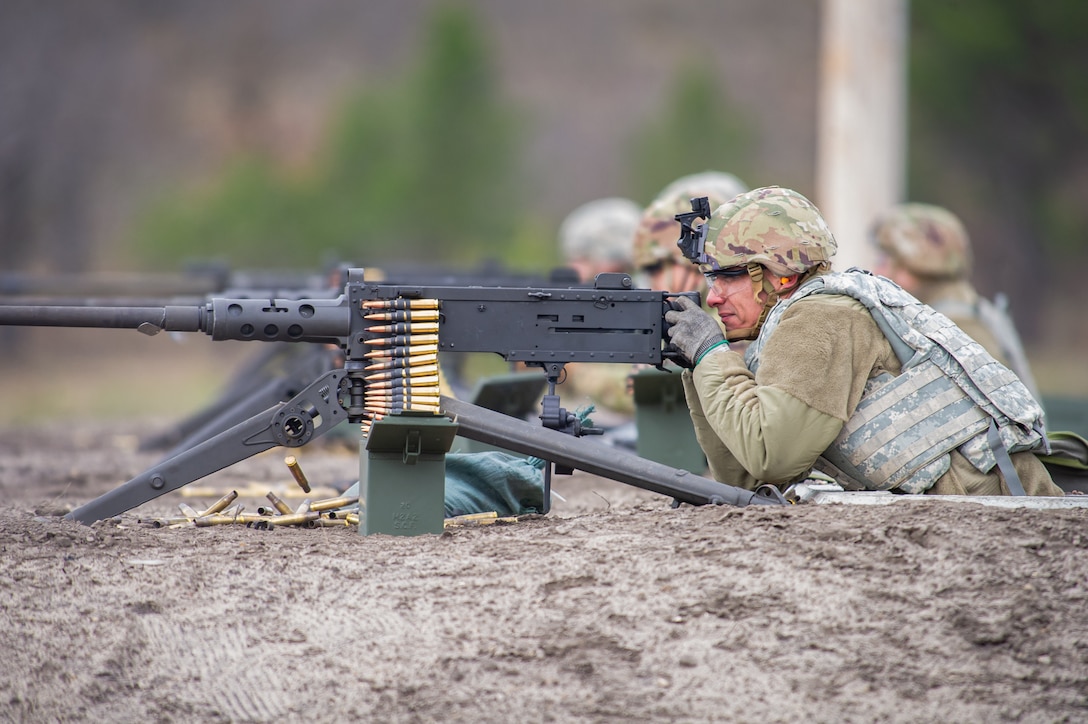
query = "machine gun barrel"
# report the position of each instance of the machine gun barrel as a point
(149, 320)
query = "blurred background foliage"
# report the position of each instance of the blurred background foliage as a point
(427, 168)
(698, 128)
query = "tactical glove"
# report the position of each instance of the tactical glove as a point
(693, 332)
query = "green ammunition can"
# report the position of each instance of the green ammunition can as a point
(402, 474)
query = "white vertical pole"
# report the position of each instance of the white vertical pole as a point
(861, 155)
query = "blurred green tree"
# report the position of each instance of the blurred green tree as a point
(427, 169)
(999, 114)
(699, 129)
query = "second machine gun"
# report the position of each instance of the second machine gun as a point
(539, 327)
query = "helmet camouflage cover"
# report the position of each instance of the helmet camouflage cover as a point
(927, 240)
(600, 229)
(774, 227)
(658, 229)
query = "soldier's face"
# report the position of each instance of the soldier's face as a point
(730, 293)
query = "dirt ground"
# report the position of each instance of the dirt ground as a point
(613, 607)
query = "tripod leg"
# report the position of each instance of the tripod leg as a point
(310, 413)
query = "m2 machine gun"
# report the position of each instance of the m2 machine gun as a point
(540, 327)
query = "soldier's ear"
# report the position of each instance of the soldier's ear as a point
(787, 283)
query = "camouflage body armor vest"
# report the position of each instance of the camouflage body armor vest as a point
(994, 316)
(951, 395)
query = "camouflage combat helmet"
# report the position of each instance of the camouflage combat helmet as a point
(773, 227)
(658, 230)
(600, 230)
(926, 240)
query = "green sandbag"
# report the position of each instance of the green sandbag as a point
(1067, 449)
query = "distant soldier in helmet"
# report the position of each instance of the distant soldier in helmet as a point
(655, 254)
(846, 373)
(926, 250)
(596, 237)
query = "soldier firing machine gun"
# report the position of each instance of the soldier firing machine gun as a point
(540, 327)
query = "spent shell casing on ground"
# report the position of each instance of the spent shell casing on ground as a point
(296, 472)
(220, 504)
(410, 351)
(330, 523)
(405, 328)
(278, 504)
(188, 511)
(352, 518)
(472, 516)
(304, 506)
(232, 510)
(400, 363)
(404, 315)
(340, 513)
(403, 340)
(394, 304)
(304, 519)
(331, 503)
(165, 522)
(214, 519)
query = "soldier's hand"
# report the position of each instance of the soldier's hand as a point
(693, 332)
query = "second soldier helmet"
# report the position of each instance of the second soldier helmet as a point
(658, 230)
(926, 240)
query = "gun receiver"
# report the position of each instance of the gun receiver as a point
(541, 327)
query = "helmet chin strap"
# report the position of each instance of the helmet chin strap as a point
(761, 284)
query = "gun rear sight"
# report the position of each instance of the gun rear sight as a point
(692, 239)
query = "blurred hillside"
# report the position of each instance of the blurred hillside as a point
(107, 108)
